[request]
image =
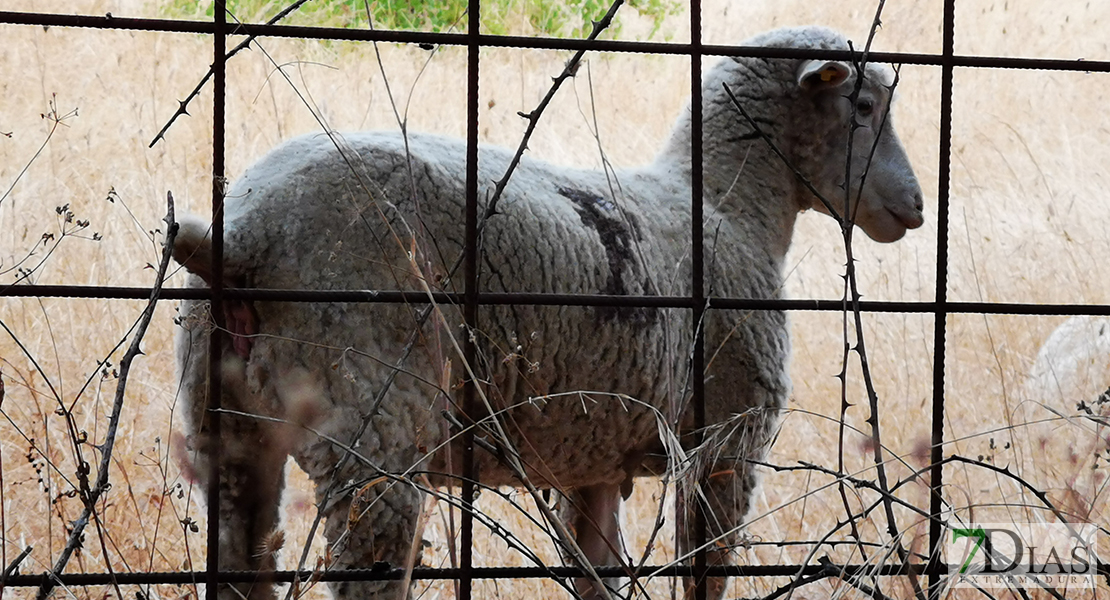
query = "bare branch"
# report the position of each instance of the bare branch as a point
(14, 565)
(90, 496)
(758, 132)
(183, 105)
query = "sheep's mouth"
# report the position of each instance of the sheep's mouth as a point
(910, 220)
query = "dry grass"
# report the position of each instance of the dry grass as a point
(1028, 224)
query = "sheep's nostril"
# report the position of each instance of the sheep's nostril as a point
(918, 201)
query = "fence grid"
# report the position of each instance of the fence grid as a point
(472, 297)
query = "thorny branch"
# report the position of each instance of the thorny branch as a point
(14, 565)
(90, 495)
(851, 289)
(846, 229)
(183, 105)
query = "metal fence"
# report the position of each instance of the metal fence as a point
(473, 40)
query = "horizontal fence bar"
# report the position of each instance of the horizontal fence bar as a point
(425, 573)
(537, 299)
(509, 41)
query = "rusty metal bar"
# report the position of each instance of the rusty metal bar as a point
(215, 341)
(940, 316)
(545, 299)
(470, 305)
(697, 294)
(508, 41)
(430, 574)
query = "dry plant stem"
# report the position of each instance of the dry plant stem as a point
(1005, 471)
(406, 479)
(44, 453)
(402, 124)
(55, 121)
(611, 179)
(183, 105)
(511, 458)
(1009, 412)
(100, 535)
(826, 540)
(90, 496)
(842, 477)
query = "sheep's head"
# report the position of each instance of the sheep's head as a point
(885, 198)
(808, 107)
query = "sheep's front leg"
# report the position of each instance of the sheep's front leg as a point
(728, 484)
(728, 490)
(592, 513)
(374, 526)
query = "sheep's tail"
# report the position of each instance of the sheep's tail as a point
(193, 246)
(193, 249)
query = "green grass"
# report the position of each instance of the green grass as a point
(561, 18)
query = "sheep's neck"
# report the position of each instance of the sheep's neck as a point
(748, 186)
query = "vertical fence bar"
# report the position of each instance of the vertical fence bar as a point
(219, 84)
(697, 289)
(470, 302)
(936, 472)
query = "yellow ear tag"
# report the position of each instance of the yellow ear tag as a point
(828, 74)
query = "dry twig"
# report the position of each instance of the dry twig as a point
(90, 495)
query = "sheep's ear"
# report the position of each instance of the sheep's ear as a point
(816, 75)
(193, 246)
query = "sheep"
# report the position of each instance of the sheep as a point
(376, 210)
(1065, 411)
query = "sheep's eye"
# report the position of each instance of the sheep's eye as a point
(864, 107)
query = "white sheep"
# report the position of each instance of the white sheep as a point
(379, 211)
(1065, 412)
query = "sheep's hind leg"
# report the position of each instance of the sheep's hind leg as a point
(251, 461)
(251, 479)
(592, 513)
